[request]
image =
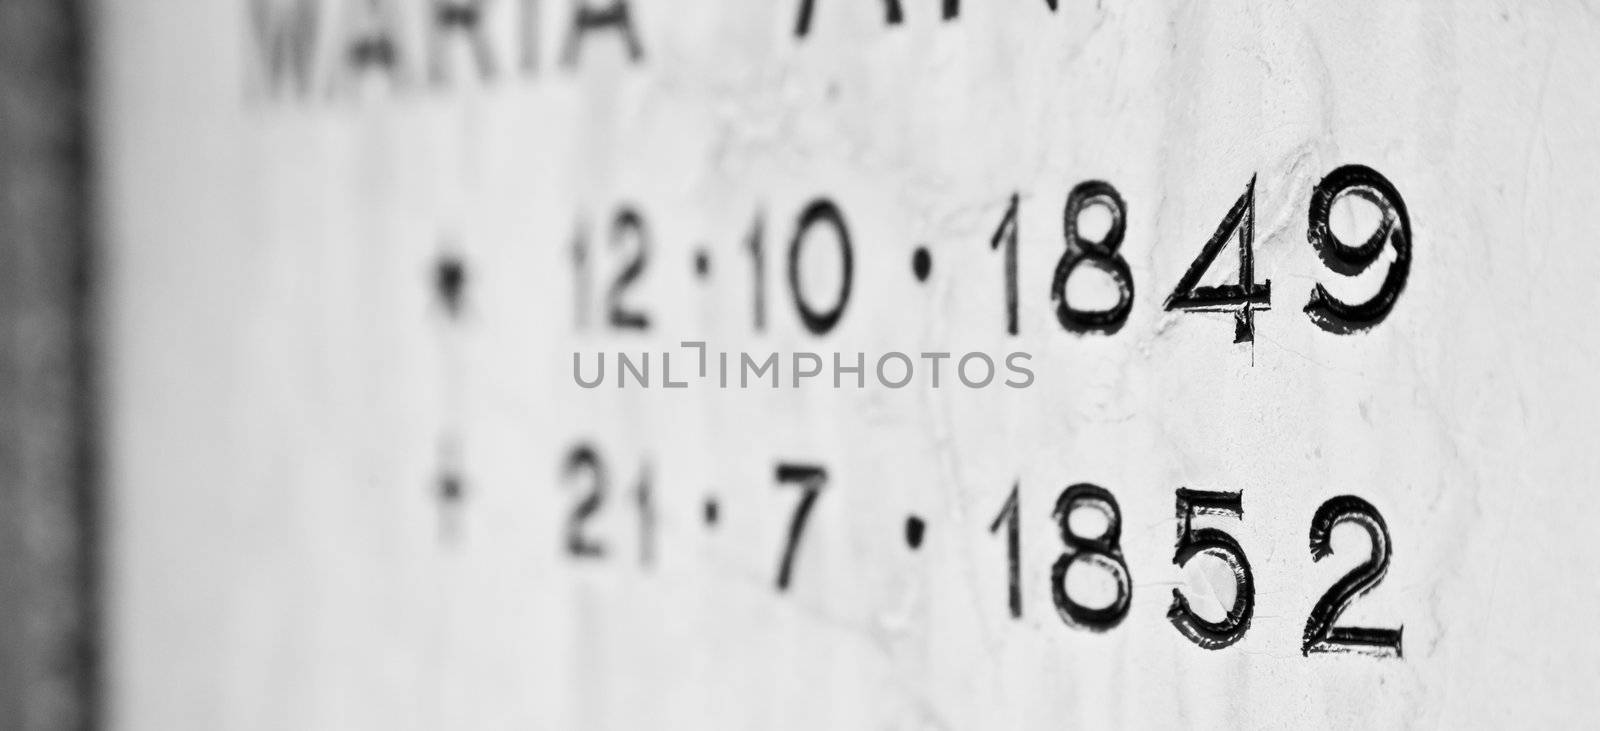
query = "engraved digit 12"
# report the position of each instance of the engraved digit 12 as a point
(1321, 633)
(628, 224)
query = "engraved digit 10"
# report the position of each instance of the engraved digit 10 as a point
(1328, 312)
(1102, 253)
(819, 212)
(1102, 552)
(810, 479)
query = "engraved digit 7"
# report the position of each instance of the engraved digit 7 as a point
(811, 480)
(1337, 316)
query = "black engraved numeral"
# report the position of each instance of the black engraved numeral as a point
(821, 212)
(1241, 298)
(758, 275)
(583, 459)
(1102, 254)
(582, 287)
(1103, 552)
(1008, 518)
(810, 479)
(628, 226)
(1322, 635)
(1006, 235)
(1337, 316)
(647, 518)
(1216, 544)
